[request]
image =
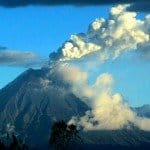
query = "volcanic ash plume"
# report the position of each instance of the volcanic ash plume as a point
(108, 110)
(106, 39)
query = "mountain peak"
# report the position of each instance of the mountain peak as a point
(35, 100)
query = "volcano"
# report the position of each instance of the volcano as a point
(37, 98)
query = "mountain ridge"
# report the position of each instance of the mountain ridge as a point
(38, 98)
(33, 101)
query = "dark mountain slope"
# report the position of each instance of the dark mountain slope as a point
(124, 137)
(143, 111)
(34, 100)
(37, 98)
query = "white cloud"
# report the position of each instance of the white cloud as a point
(20, 58)
(78, 47)
(107, 39)
(111, 37)
(108, 110)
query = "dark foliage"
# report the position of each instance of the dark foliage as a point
(14, 144)
(63, 135)
(2, 146)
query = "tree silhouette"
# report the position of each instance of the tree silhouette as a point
(2, 146)
(62, 135)
(12, 143)
(17, 144)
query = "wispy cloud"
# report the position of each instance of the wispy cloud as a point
(19, 58)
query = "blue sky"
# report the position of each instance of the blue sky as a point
(43, 30)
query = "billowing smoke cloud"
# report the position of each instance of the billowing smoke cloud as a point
(108, 110)
(107, 39)
(18, 58)
(137, 5)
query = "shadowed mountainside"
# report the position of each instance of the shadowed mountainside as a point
(38, 98)
(34, 100)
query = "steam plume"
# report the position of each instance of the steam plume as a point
(107, 39)
(108, 110)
